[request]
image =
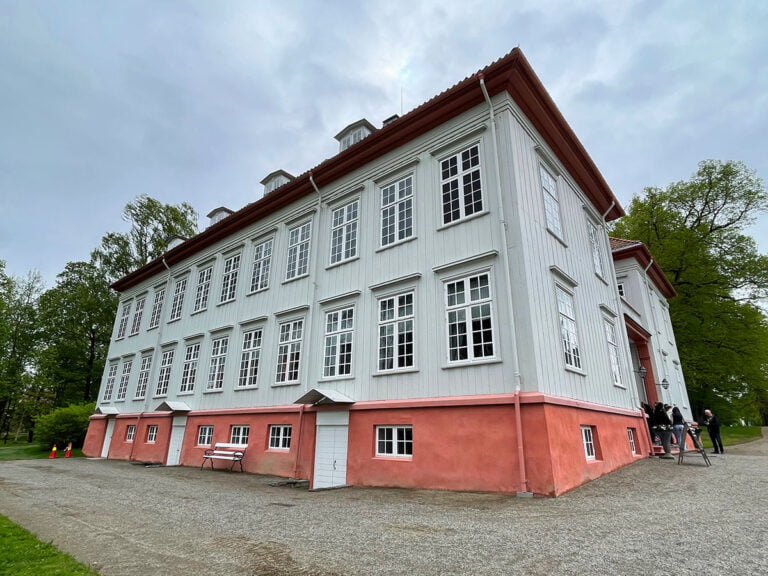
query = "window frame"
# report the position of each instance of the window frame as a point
(130, 432)
(229, 278)
(250, 359)
(189, 368)
(203, 289)
(239, 432)
(399, 448)
(261, 265)
(151, 433)
(109, 385)
(164, 374)
(177, 302)
(143, 382)
(596, 248)
(157, 308)
(631, 438)
(568, 324)
(475, 339)
(403, 325)
(612, 345)
(588, 442)
(401, 202)
(458, 195)
(218, 363)
(122, 327)
(138, 313)
(344, 232)
(280, 437)
(287, 348)
(204, 432)
(125, 377)
(551, 198)
(338, 342)
(299, 251)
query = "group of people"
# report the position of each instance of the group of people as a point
(665, 420)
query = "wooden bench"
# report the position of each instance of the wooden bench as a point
(231, 452)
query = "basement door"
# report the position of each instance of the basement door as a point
(108, 438)
(177, 438)
(331, 450)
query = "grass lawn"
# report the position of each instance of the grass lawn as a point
(732, 435)
(21, 554)
(26, 451)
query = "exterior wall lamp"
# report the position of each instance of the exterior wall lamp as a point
(665, 384)
(642, 372)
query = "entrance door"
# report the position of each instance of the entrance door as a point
(331, 449)
(107, 437)
(177, 439)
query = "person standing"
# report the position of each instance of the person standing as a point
(678, 425)
(713, 427)
(662, 426)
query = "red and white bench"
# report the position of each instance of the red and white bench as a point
(229, 452)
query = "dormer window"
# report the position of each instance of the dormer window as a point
(274, 180)
(218, 214)
(353, 133)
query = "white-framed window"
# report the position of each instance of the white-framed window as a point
(203, 288)
(631, 438)
(396, 332)
(124, 378)
(397, 211)
(189, 370)
(141, 386)
(229, 279)
(352, 138)
(218, 360)
(157, 308)
(177, 304)
(262, 261)
(469, 318)
(289, 352)
(249, 360)
(124, 315)
(339, 326)
(613, 350)
(568, 332)
(344, 232)
(130, 433)
(588, 440)
(461, 186)
(151, 434)
(204, 435)
(110, 385)
(551, 201)
(280, 437)
(596, 247)
(138, 312)
(298, 250)
(239, 435)
(620, 288)
(164, 376)
(394, 441)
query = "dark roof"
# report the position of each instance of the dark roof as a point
(512, 74)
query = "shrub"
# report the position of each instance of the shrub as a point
(65, 425)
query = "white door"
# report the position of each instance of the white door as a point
(108, 438)
(330, 456)
(177, 438)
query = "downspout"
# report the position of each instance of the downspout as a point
(523, 478)
(313, 292)
(298, 441)
(153, 369)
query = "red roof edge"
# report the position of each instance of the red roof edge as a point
(640, 252)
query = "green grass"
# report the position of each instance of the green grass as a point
(27, 451)
(732, 435)
(21, 554)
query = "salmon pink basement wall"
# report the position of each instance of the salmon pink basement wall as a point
(454, 448)
(94, 438)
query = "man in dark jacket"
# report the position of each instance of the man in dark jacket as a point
(713, 427)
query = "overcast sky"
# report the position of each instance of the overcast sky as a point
(198, 101)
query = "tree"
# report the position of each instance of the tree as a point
(65, 425)
(695, 230)
(153, 224)
(18, 337)
(76, 318)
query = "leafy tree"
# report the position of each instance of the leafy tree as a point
(18, 337)
(65, 425)
(76, 318)
(152, 226)
(696, 231)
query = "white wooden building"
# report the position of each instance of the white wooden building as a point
(435, 306)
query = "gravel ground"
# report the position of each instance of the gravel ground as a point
(653, 517)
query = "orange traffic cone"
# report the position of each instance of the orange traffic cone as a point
(53, 452)
(68, 451)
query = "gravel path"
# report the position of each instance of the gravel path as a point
(653, 517)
